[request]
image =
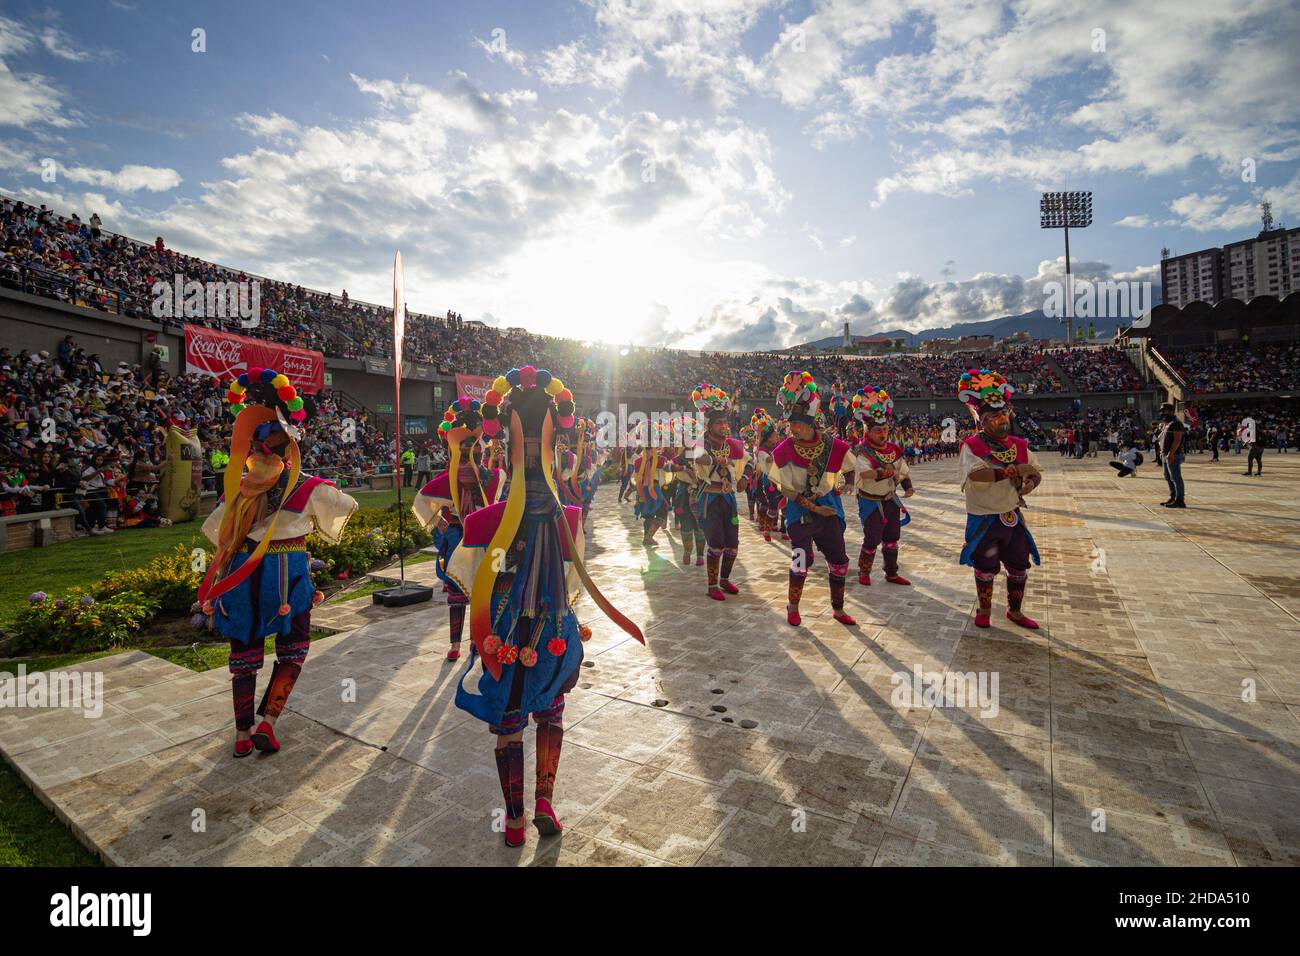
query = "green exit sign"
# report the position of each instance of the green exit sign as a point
(384, 408)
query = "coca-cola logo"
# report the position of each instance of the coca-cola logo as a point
(225, 351)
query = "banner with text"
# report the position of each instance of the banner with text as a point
(210, 352)
(475, 386)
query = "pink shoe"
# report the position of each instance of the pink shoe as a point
(982, 619)
(544, 818)
(896, 579)
(454, 653)
(864, 580)
(844, 618)
(728, 587)
(792, 617)
(516, 836)
(1025, 622)
(716, 594)
(767, 537)
(243, 748)
(699, 562)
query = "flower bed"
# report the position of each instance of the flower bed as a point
(121, 608)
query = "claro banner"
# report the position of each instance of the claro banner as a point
(475, 386)
(210, 352)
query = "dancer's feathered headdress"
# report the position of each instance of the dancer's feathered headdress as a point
(798, 398)
(712, 402)
(873, 406)
(983, 390)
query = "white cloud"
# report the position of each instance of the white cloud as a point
(26, 99)
(130, 178)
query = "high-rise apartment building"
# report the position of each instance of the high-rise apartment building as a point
(1267, 264)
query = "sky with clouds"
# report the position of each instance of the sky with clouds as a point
(722, 173)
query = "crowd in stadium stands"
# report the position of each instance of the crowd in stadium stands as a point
(78, 435)
(1099, 370)
(1277, 423)
(79, 262)
(1238, 368)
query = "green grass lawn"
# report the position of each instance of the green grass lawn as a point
(30, 834)
(83, 562)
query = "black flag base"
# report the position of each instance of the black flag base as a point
(403, 594)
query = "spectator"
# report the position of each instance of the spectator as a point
(1170, 443)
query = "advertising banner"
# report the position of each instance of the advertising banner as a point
(225, 355)
(475, 386)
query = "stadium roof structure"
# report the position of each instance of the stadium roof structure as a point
(1265, 318)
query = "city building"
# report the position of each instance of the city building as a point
(1266, 264)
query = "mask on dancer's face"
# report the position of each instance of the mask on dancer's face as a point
(997, 423)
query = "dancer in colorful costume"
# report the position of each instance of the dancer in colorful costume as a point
(520, 555)
(594, 458)
(882, 471)
(651, 473)
(570, 462)
(626, 455)
(996, 470)
(259, 581)
(770, 501)
(445, 502)
(806, 467)
(717, 462)
(748, 477)
(683, 490)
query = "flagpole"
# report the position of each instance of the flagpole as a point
(403, 594)
(399, 330)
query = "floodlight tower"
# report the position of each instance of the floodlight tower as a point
(1061, 211)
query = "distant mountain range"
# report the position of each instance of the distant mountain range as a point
(1038, 325)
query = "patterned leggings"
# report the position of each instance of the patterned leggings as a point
(246, 660)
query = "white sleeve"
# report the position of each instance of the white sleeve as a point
(968, 461)
(212, 524)
(330, 511)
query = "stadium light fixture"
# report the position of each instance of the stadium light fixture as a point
(1061, 210)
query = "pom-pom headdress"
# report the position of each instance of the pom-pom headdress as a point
(873, 406)
(528, 404)
(763, 426)
(463, 418)
(984, 391)
(799, 399)
(267, 388)
(712, 402)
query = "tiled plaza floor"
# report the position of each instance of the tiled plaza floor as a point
(1155, 719)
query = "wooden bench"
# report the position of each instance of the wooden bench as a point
(383, 481)
(37, 529)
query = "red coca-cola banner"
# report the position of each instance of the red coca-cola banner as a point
(475, 386)
(210, 352)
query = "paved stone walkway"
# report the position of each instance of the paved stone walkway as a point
(1154, 720)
